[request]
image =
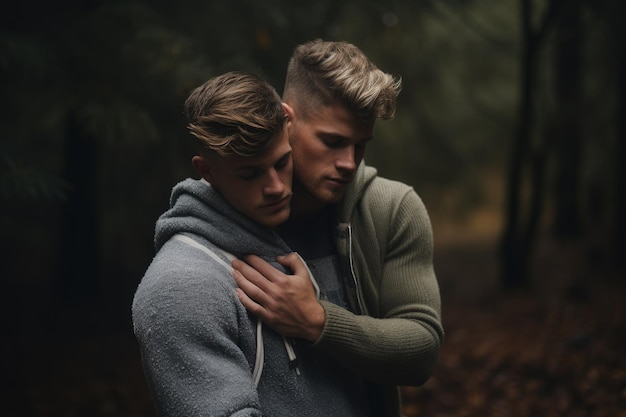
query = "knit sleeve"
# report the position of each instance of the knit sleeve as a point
(397, 341)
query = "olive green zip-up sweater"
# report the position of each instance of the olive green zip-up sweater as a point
(385, 242)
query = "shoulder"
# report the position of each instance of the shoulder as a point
(393, 214)
(381, 186)
(389, 198)
(183, 284)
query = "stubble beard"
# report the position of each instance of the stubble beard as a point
(312, 197)
(325, 195)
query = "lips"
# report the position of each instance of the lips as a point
(278, 203)
(339, 181)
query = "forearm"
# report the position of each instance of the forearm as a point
(399, 351)
(398, 337)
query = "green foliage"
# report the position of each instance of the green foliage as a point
(457, 109)
(23, 183)
(122, 70)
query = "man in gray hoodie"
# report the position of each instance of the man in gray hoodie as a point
(203, 353)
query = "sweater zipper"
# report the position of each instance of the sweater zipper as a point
(352, 275)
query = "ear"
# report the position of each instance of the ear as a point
(203, 166)
(288, 111)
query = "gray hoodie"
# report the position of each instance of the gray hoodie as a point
(199, 344)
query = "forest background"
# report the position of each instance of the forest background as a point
(511, 126)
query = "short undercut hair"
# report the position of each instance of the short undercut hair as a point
(322, 73)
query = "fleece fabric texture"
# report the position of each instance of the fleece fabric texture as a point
(197, 341)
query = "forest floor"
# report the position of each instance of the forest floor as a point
(554, 350)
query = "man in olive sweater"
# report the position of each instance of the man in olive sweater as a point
(367, 240)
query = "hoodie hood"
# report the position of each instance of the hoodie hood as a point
(362, 180)
(196, 208)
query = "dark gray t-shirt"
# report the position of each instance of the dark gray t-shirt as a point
(312, 238)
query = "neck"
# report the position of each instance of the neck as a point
(304, 204)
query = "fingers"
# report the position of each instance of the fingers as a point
(248, 303)
(286, 303)
(244, 269)
(249, 288)
(254, 299)
(294, 263)
(257, 281)
(261, 267)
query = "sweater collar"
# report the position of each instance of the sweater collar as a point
(362, 179)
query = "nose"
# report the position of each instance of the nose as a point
(273, 185)
(346, 160)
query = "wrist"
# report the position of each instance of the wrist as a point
(318, 320)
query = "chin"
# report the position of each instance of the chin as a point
(275, 221)
(331, 197)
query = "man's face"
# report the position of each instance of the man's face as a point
(258, 187)
(328, 146)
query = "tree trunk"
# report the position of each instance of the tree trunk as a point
(619, 238)
(514, 259)
(567, 220)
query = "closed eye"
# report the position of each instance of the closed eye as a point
(249, 174)
(333, 141)
(283, 162)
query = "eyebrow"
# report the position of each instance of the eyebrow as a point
(342, 137)
(345, 138)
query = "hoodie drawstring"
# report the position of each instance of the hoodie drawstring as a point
(260, 354)
(260, 349)
(288, 342)
(293, 360)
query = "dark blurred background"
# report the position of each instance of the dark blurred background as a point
(511, 126)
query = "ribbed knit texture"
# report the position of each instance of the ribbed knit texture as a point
(392, 247)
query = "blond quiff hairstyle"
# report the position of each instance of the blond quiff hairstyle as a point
(323, 73)
(235, 114)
